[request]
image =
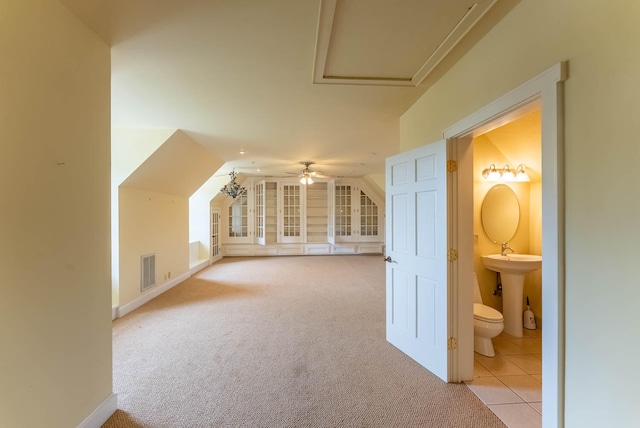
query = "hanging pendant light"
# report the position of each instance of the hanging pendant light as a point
(232, 188)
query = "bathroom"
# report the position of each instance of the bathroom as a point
(517, 363)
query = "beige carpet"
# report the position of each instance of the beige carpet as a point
(277, 342)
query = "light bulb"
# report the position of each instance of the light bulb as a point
(522, 175)
(507, 175)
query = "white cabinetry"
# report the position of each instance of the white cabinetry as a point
(284, 217)
(356, 216)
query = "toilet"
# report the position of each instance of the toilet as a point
(487, 323)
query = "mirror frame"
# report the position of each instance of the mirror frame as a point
(500, 214)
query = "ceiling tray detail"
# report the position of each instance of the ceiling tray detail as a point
(377, 42)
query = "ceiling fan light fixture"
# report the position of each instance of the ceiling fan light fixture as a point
(306, 180)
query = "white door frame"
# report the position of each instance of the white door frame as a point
(546, 88)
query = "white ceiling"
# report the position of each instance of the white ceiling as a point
(237, 75)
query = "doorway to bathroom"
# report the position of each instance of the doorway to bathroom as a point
(431, 318)
(507, 200)
(544, 92)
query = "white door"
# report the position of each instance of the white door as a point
(216, 254)
(416, 239)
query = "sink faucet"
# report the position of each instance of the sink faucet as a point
(504, 248)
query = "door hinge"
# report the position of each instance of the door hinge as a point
(452, 166)
(452, 255)
(452, 343)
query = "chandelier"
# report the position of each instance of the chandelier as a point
(232, 188)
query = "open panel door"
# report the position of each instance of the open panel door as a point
(417, 301)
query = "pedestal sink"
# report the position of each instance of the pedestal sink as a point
(512, 268)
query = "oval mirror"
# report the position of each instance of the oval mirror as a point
(500, 213)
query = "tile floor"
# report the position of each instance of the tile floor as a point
(510, 383)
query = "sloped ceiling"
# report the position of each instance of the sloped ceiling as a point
(238, 75)
(520, 141)
(178, 167)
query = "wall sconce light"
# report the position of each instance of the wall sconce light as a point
(505, 174)
(521, 174)
(491, 173)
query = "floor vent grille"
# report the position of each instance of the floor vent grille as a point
(147, 271)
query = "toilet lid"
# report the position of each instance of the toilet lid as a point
(486, 313)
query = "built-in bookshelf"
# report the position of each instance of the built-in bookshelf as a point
(271, 212)
(317, 211)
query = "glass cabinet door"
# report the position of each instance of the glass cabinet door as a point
(238, 219)
(342, 212)
(260, 210)
(238, 222)
(369, 219)
(291, 213)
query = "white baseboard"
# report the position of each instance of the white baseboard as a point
(100, 415)
(135, 304)
(198, 265)
(114, 312)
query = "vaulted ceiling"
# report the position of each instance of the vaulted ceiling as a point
(283, 81)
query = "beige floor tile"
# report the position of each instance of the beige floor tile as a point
(499, 366)
(537, 406)
(517, 415)
(491, 391)
(506, 347)
(521, 405)
(532, 333)
(530, 345)
(527, 362)
(479, 370)
(527, 388)
(505, 335)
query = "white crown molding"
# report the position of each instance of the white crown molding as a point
(326, 18)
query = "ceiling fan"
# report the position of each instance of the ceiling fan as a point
(307, 174)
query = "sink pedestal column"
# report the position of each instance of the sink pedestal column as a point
(512, 291)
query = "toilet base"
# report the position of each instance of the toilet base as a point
(483, 346)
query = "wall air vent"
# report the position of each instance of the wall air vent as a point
(147, 271)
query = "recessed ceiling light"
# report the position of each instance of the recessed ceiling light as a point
(242, 152)
(372, 154)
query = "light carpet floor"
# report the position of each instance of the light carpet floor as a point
(277, 342)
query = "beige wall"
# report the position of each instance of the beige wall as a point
(151, 222)
(602, 100)
(129, 149)
(55, 326)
